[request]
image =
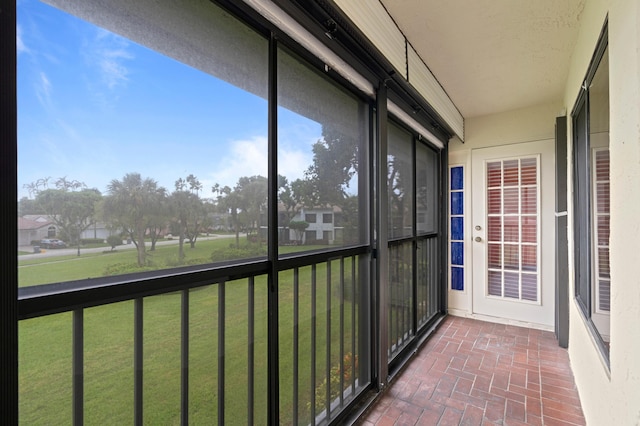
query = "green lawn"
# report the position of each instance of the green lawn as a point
(45, 270)
(45, 347)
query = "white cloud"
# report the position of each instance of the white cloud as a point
(43, 90)
(249, 158)
(244, 158)
(20, 46)
(293, 164)
(108, 53)
(114, 72)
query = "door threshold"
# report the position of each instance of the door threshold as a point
(500, 320)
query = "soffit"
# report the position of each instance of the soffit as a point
(492, 56)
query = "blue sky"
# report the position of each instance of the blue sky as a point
(93, 106)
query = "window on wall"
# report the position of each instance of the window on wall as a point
(591, 196)
(322, 131)
(426, 191)
(142, 148)
(413, 187)
(400, 182)
(513, 228)
(159, 160)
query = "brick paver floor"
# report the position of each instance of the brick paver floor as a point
(479, 373)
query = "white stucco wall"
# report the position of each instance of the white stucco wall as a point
(612, 397)
(531, 124)
(523, 125)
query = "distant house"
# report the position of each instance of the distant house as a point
(35, 228)
(323, 225)
(97, 230)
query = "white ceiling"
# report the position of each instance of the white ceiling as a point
(493, 55)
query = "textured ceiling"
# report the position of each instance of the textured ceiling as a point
(493, 55)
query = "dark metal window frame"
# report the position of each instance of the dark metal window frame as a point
(67, 296)
(8, 209)
(582, 196)
(420, 331)
(562, 255)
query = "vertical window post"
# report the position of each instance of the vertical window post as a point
(8, 175)
(272, 240)
(381, 244)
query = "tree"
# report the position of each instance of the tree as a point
(71, 206)
(245, 203)
(189, 211)
(292, 197)
(157, 221)
(113, 241)
(37, 186)
(27, 206)
(229, 202)
(298, 226)
(335, 163)
(399, 177)
(131, 205)
(253, 198)
(349, 220)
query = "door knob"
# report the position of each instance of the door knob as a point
(478, 239)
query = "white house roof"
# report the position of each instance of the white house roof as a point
(26, 223)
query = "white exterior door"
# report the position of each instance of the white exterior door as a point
(513, 232)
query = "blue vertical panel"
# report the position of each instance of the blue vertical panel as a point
(457, 278)
(457, 253)
(456, 237)
(457, 228)
(457, 178)
(457, 203)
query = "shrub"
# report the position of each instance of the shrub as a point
(125, 268)
(255, 238)
(114, 240)
(242, 252)
(174, 261)
(350, 368)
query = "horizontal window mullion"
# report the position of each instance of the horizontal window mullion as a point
(49, 299)
(400, 241)
(312, 258)
(62, 297)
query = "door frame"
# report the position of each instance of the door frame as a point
(513, 311)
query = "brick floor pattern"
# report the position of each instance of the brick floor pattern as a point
(479, 373)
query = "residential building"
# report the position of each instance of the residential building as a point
(323, 226)
(34, 228)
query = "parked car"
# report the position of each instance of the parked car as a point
(51, 243)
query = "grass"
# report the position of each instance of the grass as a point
(45, 347)
(70, 267)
